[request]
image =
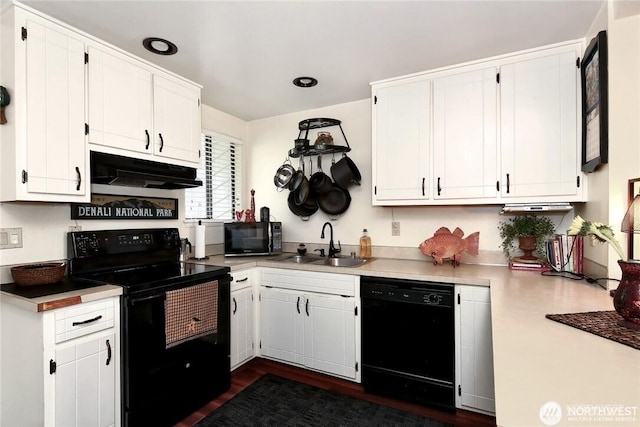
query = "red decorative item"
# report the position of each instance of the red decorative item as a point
(250, 214)
(447, 245)
(626, 300)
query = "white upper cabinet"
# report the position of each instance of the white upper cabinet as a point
(176, 119)
(139, 111)
(119, 101)
(504, 129)
(401, 116)
(465, 150)
(539, 127)
(43, 148)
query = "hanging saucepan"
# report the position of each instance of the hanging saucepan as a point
(320, 181)
(296, 179)
(305, 210)
(345, 173)
(283, 175)
(302, 190)
(335, 201)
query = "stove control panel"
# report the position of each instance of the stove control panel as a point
(88, 244)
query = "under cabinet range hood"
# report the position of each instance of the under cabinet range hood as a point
(536, 207)
(111, 169)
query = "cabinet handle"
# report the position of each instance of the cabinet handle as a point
(298, 305)
(84, 322)
(306, 307)
(146, 132)
(508, 183)
(79, 178)
(423, 186)
(242, 280)
(498, 186)
(439, 188)
(161, 142)
(235, 305)
(108, 352)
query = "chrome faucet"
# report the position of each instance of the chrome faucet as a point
(332, 249)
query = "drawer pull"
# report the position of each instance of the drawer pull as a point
(84, 322)
(242, 280)
(108, 352)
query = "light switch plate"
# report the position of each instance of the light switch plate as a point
(10, 238)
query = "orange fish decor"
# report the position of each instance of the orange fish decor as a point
(445, 245)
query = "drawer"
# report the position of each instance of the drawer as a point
(241, 280)
(83, 319)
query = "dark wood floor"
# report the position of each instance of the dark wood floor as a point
(254, 369)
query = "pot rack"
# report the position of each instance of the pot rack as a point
(313, 150)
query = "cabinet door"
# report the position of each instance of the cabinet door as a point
(119, 102)
(176, 119)
(401, 115)
(475, 351)
(85, 382)
(539, 139)
(281, 324)
(55, 140)
(329, 334)
(241, 326)
(465, 135)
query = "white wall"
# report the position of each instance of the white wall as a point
(271, 139)
(608, 185)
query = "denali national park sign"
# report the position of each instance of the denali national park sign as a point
(105, 206)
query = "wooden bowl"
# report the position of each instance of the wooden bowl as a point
(38, 274)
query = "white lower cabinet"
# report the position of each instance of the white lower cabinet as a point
(310, 319)
(474, 350)
(62, 366)
(242, 318)
(85, 382)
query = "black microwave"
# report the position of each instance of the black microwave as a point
(252, 238)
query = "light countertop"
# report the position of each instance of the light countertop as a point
(536, 360)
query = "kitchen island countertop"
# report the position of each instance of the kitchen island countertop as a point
(594, 381)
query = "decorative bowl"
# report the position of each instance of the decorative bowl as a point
(38, 274)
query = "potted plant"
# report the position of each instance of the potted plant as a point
(530, 230)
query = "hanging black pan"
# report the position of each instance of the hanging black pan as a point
(304, 210)
(335, 201)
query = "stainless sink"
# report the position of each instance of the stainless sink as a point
(343, 262)
(298, 259)
(317, 260)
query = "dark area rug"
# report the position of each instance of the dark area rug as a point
(276, 401)
(601, 323)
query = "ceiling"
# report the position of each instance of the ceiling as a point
(246, 54)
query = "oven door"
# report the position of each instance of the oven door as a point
(163, 385)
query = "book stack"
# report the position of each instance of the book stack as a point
(528, 265)
(565, 253)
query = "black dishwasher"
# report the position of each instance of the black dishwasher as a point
(408, 340)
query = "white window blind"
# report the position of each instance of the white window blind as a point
(220, 173)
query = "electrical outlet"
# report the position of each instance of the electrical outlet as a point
(10, 238)
(73, 228)
(395, 228)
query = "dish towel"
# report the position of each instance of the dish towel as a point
(191, 313)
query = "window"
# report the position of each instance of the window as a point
(220, 173)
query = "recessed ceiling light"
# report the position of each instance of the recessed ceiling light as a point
(159, 46)
(305, 81)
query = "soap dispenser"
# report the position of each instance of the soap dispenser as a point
(365, 245)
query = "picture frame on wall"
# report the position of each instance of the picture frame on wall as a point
(593, 76)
